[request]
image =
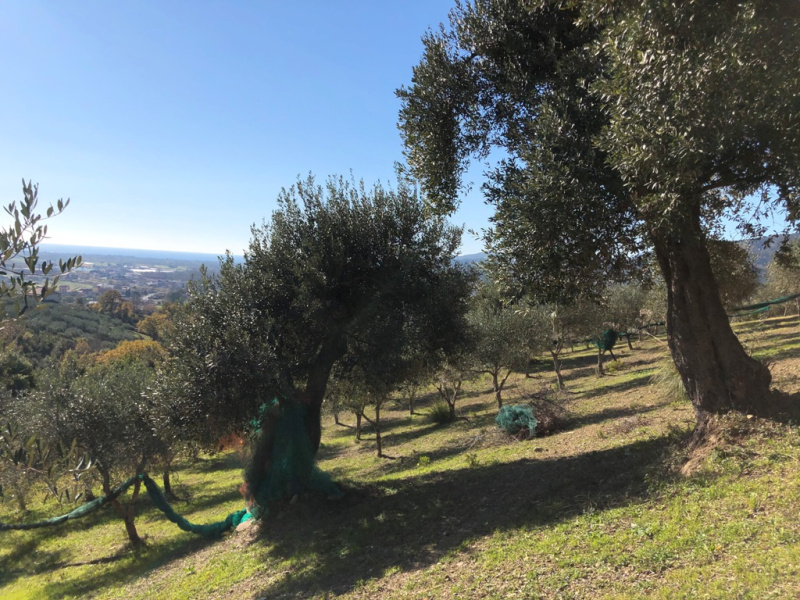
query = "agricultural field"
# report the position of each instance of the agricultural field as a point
(606, 508)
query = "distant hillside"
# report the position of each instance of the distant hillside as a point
(762, 255)
(471, 258)
(51, 328)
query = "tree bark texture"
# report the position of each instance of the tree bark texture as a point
(717, 372)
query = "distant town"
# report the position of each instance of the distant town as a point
(142, 276)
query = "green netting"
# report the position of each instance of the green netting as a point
(515, 418)
(210, 531)
(81, 511)
(213, 530)
(283, 465)
(283, 461)
(763, 305)
(607, 340)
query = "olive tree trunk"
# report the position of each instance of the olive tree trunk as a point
(718, 374)
(127, 511)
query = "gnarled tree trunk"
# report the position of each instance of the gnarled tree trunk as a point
(718, 374)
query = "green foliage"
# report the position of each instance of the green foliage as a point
(16, 372)
(112, 304)
(21, 240)
(106, 412)
(694, 112)
(340, 271)
(625, 128)
(624, 303)
(612, 117)
(27, 459)
(158, 325)
(513, 75)
(734, 271)
(440, 413)
(783, 272)
(53, 328)
(505, 336)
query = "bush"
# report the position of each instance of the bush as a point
(441, 414)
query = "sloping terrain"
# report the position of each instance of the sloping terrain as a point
(598, 510)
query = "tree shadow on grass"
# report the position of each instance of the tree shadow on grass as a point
(25, 551)
(769, 356)
(38, 561)
(396, 439)
(128, 565)
(218, 462)
(425, 517)
(615, 388)
(609, 414)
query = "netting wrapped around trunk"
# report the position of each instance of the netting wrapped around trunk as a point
(283, 462)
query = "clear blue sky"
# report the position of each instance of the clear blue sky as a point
(173, 125)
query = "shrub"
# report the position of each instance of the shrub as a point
(441, 414)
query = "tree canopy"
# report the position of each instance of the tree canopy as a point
(625, 128)
(339, 271)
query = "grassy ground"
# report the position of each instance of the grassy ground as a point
(596, 511)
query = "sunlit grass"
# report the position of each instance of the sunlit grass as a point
(461, 511)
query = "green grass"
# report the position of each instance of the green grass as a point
(596, 511)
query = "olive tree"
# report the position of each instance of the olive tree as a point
(504, 337)
(626, 127)
(24, 455)
(332, 260)
(104, 409)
